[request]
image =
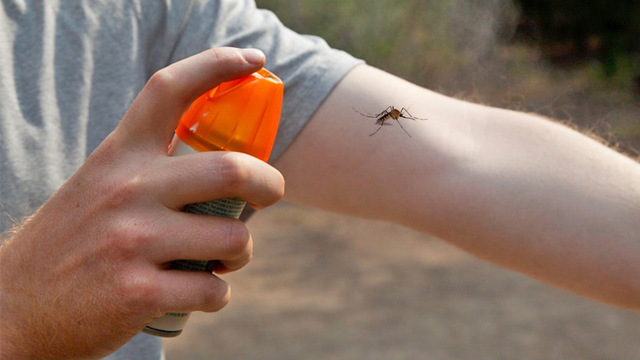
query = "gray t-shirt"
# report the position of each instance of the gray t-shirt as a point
(69, 71)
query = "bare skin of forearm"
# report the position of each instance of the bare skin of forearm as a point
(515, 189)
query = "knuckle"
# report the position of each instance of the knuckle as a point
(232, 169)
(139, 292)
(214, 53)
(227, 55)
(130, 237)
(161, 82)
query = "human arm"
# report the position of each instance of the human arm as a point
(90, 268)
(515, 189)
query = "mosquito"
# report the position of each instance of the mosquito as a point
(390, 113)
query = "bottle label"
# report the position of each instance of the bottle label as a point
(222, 207)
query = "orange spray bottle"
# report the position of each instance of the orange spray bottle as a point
(239, 115)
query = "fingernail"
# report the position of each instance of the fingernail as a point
(253, 56)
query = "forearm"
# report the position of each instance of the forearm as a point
(512, 188)
(542, 199)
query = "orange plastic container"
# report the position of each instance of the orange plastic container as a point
(240, 115)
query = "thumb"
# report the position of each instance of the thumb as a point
(155, 113)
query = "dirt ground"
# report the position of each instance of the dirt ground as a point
(323, 286)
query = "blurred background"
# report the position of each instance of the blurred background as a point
(323, 286)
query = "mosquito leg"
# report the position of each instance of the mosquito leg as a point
(375, 132)
(399, 123)
(365, 115)
(408, 113)
(410, 116)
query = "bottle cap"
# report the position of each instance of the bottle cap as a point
(239, 115)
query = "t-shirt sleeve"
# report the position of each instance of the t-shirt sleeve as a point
(307, 65)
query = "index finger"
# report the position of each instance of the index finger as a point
(154, 114)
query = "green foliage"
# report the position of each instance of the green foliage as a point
(423, 40)
(602, 29)
(431, 39)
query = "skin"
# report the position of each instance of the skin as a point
(515, 189)
(512, 188)
(90, 268)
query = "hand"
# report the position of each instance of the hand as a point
(90, 268)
